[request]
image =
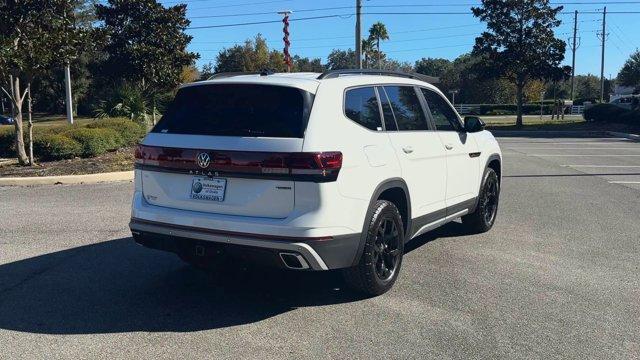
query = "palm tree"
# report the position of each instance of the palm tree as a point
(367, 49)
(378, 32)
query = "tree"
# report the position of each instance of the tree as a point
(341, 59)
(465, 75)
(432, 66)
(34, 35)
(519, 43)
(630, 73)
(147, 43)
(587, 87)
(307, 65)
(207, 71)
(367, 51)
(395, 65)
(252, 56)
(378, 32)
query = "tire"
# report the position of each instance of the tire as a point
(381, 259)
(484, 216)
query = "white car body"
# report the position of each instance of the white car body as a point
(440, 172)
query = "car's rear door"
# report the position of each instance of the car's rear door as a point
(226, 149)
(461, 150)
(419, 151)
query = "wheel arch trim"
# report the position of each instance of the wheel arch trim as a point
(382, 187)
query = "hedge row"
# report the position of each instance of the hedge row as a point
(612, 114)
(65, 142)
(511, 109)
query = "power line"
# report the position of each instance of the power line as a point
(430, 48)
(271, 12)
(346, 37)
(269, 21)
(225, 6)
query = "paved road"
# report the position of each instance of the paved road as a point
(557, 277)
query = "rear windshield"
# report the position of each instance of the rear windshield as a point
(238, 110)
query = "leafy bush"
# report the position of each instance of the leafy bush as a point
(612, 114)
(95, 142)
(499, 112)
(511, 109)
(7, 143)
(124, 101)
(56, 147)
(130, 132)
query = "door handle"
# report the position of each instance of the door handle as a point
(407, 149)
(448, 146)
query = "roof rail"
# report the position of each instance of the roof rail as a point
(332, 74)
(223, 75)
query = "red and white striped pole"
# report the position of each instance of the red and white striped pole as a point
(287, 43)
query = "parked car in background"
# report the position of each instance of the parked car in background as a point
(626, 101)
(6, 120)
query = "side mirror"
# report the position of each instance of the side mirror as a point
(473, 124)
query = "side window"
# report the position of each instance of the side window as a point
(387, 113)
(406, 108)
(442, 113)
(361, 106)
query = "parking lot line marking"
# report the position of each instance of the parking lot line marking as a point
(584, 155)
(590, 148)
(624, 182)
(604, 143)
(603, 166)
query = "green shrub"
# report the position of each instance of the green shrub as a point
(500, 112)
(511, 109)
(605, 113)
(130, 132)
(95, 142)
(7, 143)
(55, 147)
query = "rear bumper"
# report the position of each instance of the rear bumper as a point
(320, 253)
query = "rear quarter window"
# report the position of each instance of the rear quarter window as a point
(361, 106)
(248, 110)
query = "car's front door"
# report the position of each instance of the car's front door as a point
(463, 167)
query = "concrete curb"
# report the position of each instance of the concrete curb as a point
(67, 179)
(624, 135)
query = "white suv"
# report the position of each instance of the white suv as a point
(312, 172)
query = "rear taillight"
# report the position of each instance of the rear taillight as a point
(304, 166)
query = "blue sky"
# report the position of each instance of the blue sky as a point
(412, 36)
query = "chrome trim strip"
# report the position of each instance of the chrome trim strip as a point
(310, 255)
(432, 225)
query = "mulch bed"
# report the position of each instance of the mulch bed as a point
(119, 160)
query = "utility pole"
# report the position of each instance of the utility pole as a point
(573, 50)
(285, 20)
(604, 38)
(358, 35)
(67, 83)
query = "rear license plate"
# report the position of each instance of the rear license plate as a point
(208, 189)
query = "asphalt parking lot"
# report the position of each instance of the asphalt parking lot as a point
(557, 277)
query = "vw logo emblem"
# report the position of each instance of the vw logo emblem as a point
(203, 160)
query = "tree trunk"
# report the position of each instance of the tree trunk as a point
(378, 46)
(154, 112)
(29, 107)
(17, 98)
(519, 100)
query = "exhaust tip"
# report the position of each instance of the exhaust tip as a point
(294, 261)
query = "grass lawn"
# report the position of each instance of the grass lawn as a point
(570, 122)
(119, 160)
(53, 120)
